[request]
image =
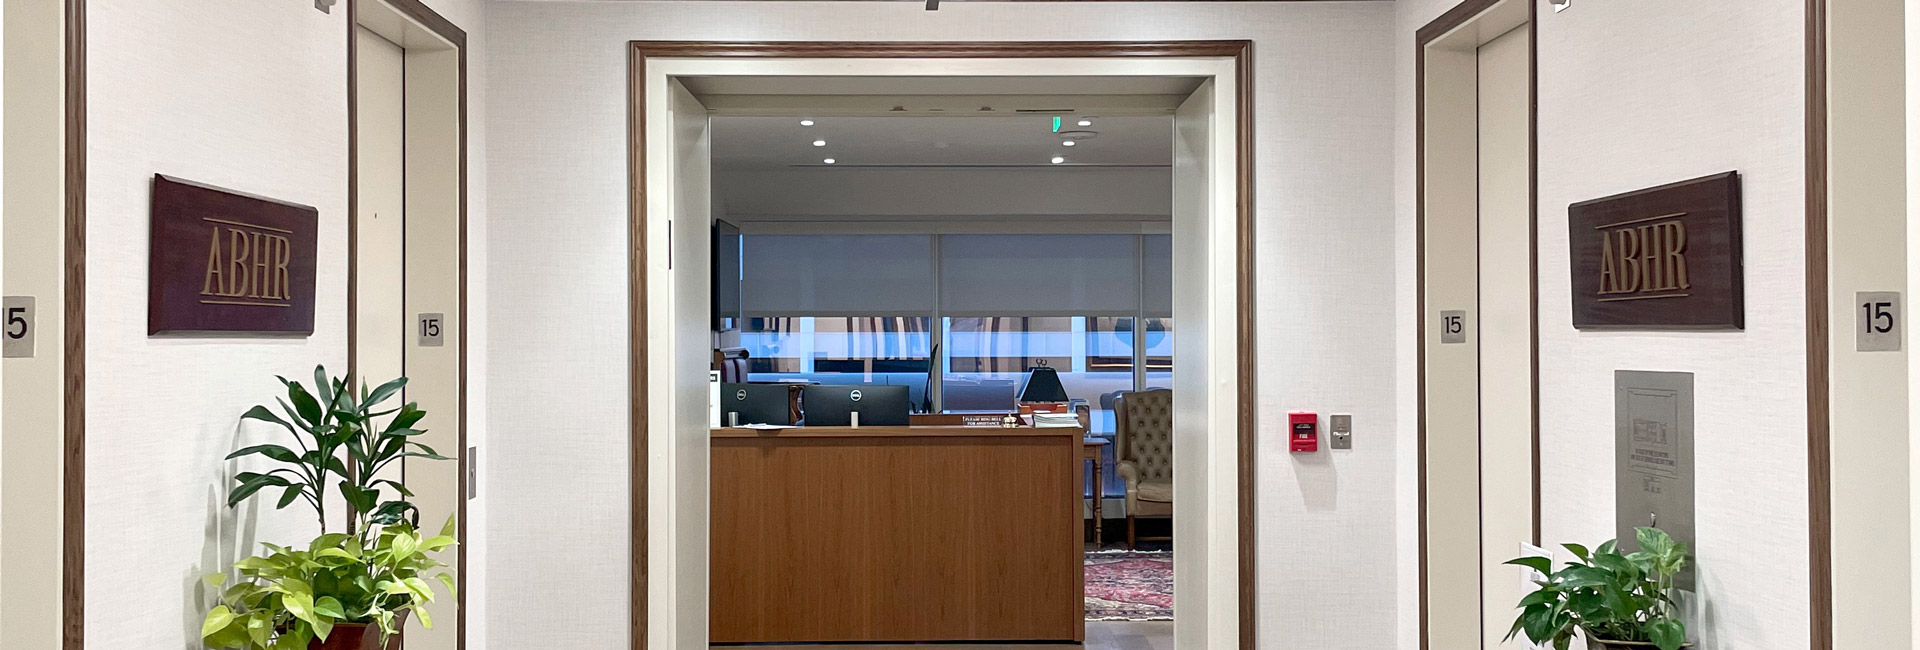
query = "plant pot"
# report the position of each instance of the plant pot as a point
(360, 636)
(1601, 644)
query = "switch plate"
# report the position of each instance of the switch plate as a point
(1341, 427)
(473, 472)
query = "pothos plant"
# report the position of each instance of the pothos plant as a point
(1613, 597)
(373, 573)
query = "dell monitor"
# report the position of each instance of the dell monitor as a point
(756, 404)
(834, 406)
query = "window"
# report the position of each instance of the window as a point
(840, 350)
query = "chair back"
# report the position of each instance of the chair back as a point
(1143, 431)
(732, 364)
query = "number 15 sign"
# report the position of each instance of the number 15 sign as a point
(1879, 326)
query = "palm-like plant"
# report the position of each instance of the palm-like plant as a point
(340, 443)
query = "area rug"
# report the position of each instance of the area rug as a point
(1130, 585)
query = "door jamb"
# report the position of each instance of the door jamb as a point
(639, 51)
(1461, 14)
(424, 16)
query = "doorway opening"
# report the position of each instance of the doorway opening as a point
(1479, 326)
(972, 259)
(673, 319)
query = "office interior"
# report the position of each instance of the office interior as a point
(1008, 266)
(1384, 378)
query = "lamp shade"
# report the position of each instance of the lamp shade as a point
(1043, 385)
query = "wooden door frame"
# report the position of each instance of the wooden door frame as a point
(1461, 14)
(432, 21)
(1241, 51)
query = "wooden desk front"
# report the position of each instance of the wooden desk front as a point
(900, 534)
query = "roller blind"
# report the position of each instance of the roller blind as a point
(837, 275)
(1158, 291)
(1039, 275)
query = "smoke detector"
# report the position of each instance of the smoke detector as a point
(1077, 135)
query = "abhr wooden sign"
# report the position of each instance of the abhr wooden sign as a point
(1661, 258)
(224, 261)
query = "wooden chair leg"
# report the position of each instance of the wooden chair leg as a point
(1130, 545)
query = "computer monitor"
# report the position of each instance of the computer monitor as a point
(756, 403)
(833, 406)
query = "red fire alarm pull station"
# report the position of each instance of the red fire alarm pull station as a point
(1303, 430)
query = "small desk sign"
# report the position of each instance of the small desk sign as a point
(223, 261)
(1661, 258)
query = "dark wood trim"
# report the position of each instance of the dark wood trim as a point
(1247, 367)
(73, 583)
(639, 353)
(1245, 413)
(445, 29)
(1819, 405)
(1533, 237)
(1454, 18)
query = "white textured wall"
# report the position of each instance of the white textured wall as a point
(245, 94)
(558, 210)
(1632, 94)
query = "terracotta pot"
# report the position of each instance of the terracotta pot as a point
(355, 636)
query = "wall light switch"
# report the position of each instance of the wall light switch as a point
(1340, 426)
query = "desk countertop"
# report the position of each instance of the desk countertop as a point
(899, 432)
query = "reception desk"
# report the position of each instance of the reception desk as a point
(896, 534)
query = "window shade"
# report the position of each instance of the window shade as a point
(1159, 275)
(1039, 275)
(837, 275)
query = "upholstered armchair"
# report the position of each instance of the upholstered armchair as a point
(1143, 435)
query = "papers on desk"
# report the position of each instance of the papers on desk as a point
(764, 427)
(1044, 420)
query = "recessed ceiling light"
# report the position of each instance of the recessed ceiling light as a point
(828, 161)
(1086, 122)
(806, 122)
(819, 143)
(1067, 143)
(1058, 159)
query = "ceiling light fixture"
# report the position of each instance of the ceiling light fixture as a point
(819, 143)
(1067, 143)
(1058, 159)
(806, 122)
(1086, 122)
(828, 161)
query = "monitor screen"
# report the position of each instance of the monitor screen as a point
(834, 406)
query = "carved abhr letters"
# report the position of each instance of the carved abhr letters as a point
(1661, 258)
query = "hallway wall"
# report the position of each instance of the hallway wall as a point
(559, 217)
(1633, 94)
(244, 94)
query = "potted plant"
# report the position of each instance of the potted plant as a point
(1621, 602)
(349, 589)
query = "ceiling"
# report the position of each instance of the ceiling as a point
(761, 143)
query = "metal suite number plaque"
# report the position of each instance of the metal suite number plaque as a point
(1453, 326)
(1879, 321)
(1653, 447)
(16, 321)
(431, 325)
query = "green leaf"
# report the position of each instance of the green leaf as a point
(304, 403)
(404, 546)
(275, 452)
(291, 494)
(251, 483)
(214, 579)
(1540, 597)
(1667, 633)
(453, 591)
(216, 620)
(426, 620)
(451, 528)
(1579, 552)
(261, 413)
(385, 391)
(330, 607)
(1541, 564)
(322, 386)
(300, 605)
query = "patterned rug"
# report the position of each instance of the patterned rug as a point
(1130, 585)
